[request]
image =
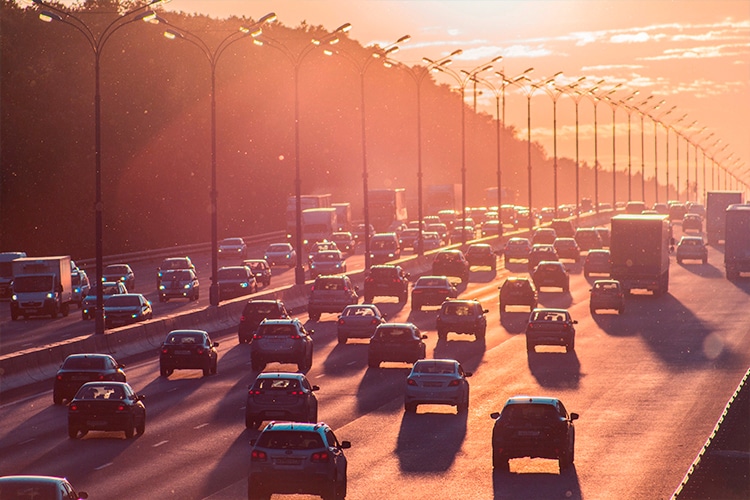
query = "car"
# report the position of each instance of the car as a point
(255, 311)
(344, 241)
(120, 272)
(38, 488)
(172, 264)
(677, 211)
(588, 239)
(359, 232)
(691, 248)
(282, 340)
(481, 254)
(126, 308)
(188, 350)
(550, 327)
(79, 280)
(604, 235)
(441, 229)
(327, 262)
(551, 274)
(490, 228)
(518, 291)
(535, 427)
(292, 457)
(448, 217)
(408, 238)
(431, 241)
(358, 321)
(431, 291)
(517, 249)
(540, 252)
(331, 293)
(635, 207)
(607, 294)
(77, 369)
(109, 288)
(280, 396)
(461, 316)
(399, 342)
(451, 263)
(277, 254)
(697, 208)
(567, 248)
(384, 247)
(597, 261)
(661, 208)
(180, 283)
(692, 222)
(235, 281)
(437, 381)
(461, 233)
(563, 228)
(543, 235)
(386, 280)
(320, 246)
(233, 248)
(261, 269)
(106, 406)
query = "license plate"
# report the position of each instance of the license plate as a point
(182, 351)
(432, 384)
(96, 423)
(79, 377)
(287, 461)
(528, 433)
(32, 311)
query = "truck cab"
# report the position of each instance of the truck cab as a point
(41, 286)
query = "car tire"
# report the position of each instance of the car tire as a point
(679, 261)
(402, 298)
(416, 307)
(14, 316)
(592, 310)
(502, 308)
(342, 338)
(586, 274)
(530, 347)
(257, 366)
(215, 367)
(571, 346)
(705, 261)
(129, 429)
(336, 491)
(410, 407)
(72, 432)
(463, 407)
(373, 363)
(140, 429)
(164, 372)
(442, 334)
(566, 459)
(499, 462)
(481, 334)
(368, 299)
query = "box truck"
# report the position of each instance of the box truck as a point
(737, 241)
(41, 286)
(716, 207)
(639, 250)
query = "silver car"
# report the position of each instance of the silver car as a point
(358, 321)
(281, 254)
(437, 381)
(691, 248)
(38, 487)
(327, 262)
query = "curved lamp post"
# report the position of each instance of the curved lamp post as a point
(613, 106)
(629, 111)
(656, 155)
(175, 33)
(96, 42)
(688, 142)
(644, 112)
(296, 59)
(699, 144)
(667, 128)
(595, 99)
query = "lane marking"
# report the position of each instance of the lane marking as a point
(27, 441)
(172, 389)
(159, 444)
(200, 426)
(103, 466)
(350, 363)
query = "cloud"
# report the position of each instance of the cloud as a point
(639, 37)
(707, 51)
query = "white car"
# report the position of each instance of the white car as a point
(437, 381)
(281, 254)
(233, 247)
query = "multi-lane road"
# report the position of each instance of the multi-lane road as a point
(649, 386)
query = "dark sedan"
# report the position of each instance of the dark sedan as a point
(127, 308)
(106, 406)
(280, 396)
(431, 291)
(400, 342)
(188, 349)
(236, 281)
(77, 369)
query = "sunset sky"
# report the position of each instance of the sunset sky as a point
(694, 54)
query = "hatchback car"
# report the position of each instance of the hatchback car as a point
(260, 269)
(172, 264)
(540, 252)
(462, 316)
(517, 249)
(400, 342)
(551, 274)
(550, 327)
(280, 396)
(284, 341)
(281, 254)
(38, 488)
(331, 294)
(535, 427)
(597, 261)
(588, 238)
(109, 288)
(320, 246)
(188, 350)
(359, 233)
(358, 321)
(431, 240)
(607, 294)
(124, 309)
(437, 381)
(408, 238)
(567, 248)
(235, 281)
(691, 248)
(481, 254)
(256, 311)
(106, 406)
(344, 241)
(451, 263)
(77, 369)
(291, 457)
(120, 272)
(79, 280)
(441, 229)
(233, 248)
(543, 235)
(431, 291)
(327, 262)
(386, 281)
(692, 222)
(518, 291)
(491, 228)
(563, 227)
(182, 283)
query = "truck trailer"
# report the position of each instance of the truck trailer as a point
(386, 207)
(639, 250)
(737, 241)
(343, 216)
(306, 201)
(41, 286)
(716, 207)
(443, 197)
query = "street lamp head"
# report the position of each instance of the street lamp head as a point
(172, 34)
(403, 39)
(343, 28)
(48, 16)
(268, 18)
(456, 52)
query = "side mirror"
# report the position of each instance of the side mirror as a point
(345, 445)
(315, 388)
(575, 321)
(424, 335)
(216, 344)
(468, 374)
(494, 415)
(485, 311)
(120, 366)
(573, 416)
(356, 288)
(385, 316)
(311, 332)
(140, 397)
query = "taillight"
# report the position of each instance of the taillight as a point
(242, 318)
(320, 456)
(121, 408)
(102, 377)
(374, 322)
(341, 321)
(258, 456)
(294, 336)
(59, 377)
(73, 407)
(297, 393)
(199, 351)
(411, 382)
(164, 350)
(454, 383)
(254, 392)
(257, 336)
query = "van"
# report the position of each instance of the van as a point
(384, 247)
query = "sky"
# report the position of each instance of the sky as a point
(692, 54)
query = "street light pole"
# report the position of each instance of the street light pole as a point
(97, 43)
(656, 155)
(613, 105)
(213, 58)
(688, 142)
(667, 128)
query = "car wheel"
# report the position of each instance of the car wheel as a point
(164, 372)
(530, 346)
(571, 346)
(368, 299)
(499, 462)
(416, 307)
(463, 407)
(207, 371)
(586, 274)
(140, 429)
(14, 316)
(410, 407)
(502, 309)
(373, 363)
(334, 491)
(402, 298)
(72, 432)
(215, 367)
(679, 261)
(442, 334)
(566, 458)
(481, 334)
(57, 399)
(592, 309)
(129, 428)
(342, 338)
(705, 261)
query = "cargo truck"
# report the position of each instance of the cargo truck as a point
(737, 241)
(343, 216)
(639, 251)
(443, 197)
(306, 201)
(6, 272)
(41, 286)
(386, 207)
(716, 206)
(318, 224)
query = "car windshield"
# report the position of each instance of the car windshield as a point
(526, 412)
(232, 273)
(174, 264)
(290, 440)
(278, 248)
(442, 367)
(177, 275)
(116, 270)
(101, 392)
(121, 300)
(232, 242)
(358, 311)
(24, 284)
(327, 257)
(690, 242)
(185, 338)
(384, 244)
(276, 384)
(84, 363)
(427, 282)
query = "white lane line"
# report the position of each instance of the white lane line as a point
(160, 443)
(200, 426)
(27, 441)
(172, 389)
(103, 466)
(350, 363)
(321, 375)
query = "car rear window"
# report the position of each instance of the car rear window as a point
(548, 316)
(525, 412)
(394, 334)
(185, 339)
(84, 364)
(329, 284)
(265, 310)
(358, 311)
(119, 300)
(434, 367)
(290, 440)
(277, 384)
(458, 309)
(430, 282)
(382, 272)
(284, 330)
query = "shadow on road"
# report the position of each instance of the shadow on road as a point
(536, 486)
(428, 442)
(555, 368)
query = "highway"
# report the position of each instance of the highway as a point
(649, 387)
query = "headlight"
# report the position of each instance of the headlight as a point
(14, 297)
(50, 295)
(288, 256)
(162, 287)
(187, 286)
(390, 255)
(338, 264)
(244, 284)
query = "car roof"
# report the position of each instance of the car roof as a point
(266, 375)
(188, 332)
(107, 382)
(461, 301)
(397, 325)
(281, 321)
(606, 282)
(32, 479)
(294, 426)
(549, 309)
(517, 278)
(520, 400)
(88, 355)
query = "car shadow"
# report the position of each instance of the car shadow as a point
(703, 270)
(613, 323)
(556, 299)
(417, 436)
(482, 275)
(517, 266)
(514, 321)
(468, 351)
(348, 358)
(380, 386)
(533, 486)
(555, 368)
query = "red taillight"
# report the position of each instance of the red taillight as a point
(453, 383)
(199, 351)
(258, 456)
(411, 382)
(242, 318)
(395, 280)
(257, 336)
(102, 377)
(73, 407)
(121, 408)
(297, 393)
(164, 350)
(320, 456)
(59, 377)
(294, 336)
(341, 321)
(256, 392)
(374, 322)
